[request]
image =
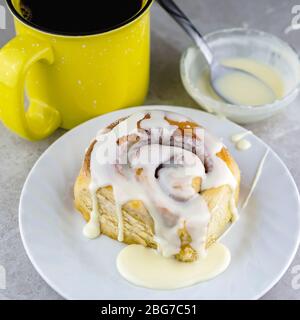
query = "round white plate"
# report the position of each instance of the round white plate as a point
(262, 243)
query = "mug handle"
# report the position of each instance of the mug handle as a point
(16, 58)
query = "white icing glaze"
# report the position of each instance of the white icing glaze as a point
(157, 121)
(145, 267)
(243, 145)
(242, 88)
(92, 229)
(166, 174)
(239, 141)
(256, 179)
(239, 136)
(176, 117)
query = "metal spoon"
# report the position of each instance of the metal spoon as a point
(217, 70)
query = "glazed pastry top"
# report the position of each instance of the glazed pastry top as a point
(165, 160)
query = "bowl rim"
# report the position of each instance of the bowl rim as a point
(234, 108)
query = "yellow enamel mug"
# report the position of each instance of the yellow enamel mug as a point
(70, 79)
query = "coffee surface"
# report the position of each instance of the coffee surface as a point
(84, 17)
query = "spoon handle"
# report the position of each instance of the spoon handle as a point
(179, 16)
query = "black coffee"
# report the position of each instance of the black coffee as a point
(75, 18)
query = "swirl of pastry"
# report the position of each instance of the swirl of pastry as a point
(170, 164)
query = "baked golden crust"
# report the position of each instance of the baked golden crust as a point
(138, 224)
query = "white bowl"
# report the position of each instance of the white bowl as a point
(243, 43)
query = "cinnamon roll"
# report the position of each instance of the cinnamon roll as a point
(158, 179)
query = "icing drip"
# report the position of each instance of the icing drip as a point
(239, 141)
(243, 145)
(92, 229)
(256, 178)
(120, 217)
(164, 160)
(239, 136)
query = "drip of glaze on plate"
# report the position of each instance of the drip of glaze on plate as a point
(146, 268)
(243, 145)
(156, 184)
(239, 141)
(92, 229)
(256, 179)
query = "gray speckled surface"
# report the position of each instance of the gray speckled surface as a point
(168, 41)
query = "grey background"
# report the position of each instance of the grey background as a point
(168, 41)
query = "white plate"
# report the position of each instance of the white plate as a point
(263, 242)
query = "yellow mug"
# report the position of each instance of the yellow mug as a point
(70, 79)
